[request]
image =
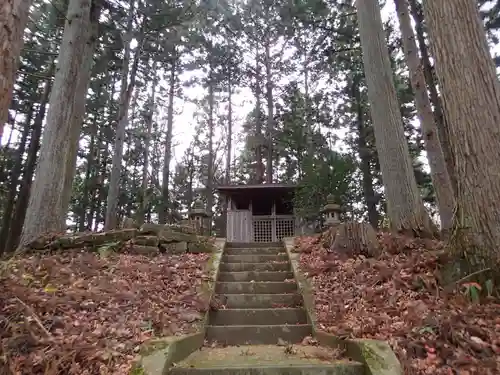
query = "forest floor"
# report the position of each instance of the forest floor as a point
(397, 298)
(78, 312)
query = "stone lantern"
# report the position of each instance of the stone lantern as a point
(198, 216)
(332, 211)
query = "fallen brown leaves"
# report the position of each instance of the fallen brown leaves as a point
(78, 313)
(397, 298)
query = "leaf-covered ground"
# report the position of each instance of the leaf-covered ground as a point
(79, 313)
(397, 298)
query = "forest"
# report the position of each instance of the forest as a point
(96, 112)
(117, 109)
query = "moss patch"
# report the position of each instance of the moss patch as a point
(155, 344)
(137, 370)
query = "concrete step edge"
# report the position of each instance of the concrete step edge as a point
(227, 369)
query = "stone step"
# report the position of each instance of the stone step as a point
(341, 368)
(253, 250)
(266, 360)
(258, 335)
(263, 287)
(255, 276)
(255, 317)
(254, 258)
(240, 267)
(262, 301)
(253, 245)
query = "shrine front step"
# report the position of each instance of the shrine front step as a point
(255, 258)
(253, 245)
(252, 251)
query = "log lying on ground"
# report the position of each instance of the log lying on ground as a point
(353, 239)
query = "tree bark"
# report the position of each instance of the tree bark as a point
(418, 17)
(259, 165)
(210, 164)
(46, 206)
(364, 154)
(439, 172)
(143, 201)
(13, 18)
(168, 140)
(111, 220)
(77, 119)
(470, 93)
(406, 210)
(88, 191)
(14, 182)
(29, 170)
(270, 114)
(229, 130)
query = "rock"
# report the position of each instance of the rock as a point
(183, 228)
(175, 247)
(144, 250)
(167, 233)
(168, 236)
(151, 228)
(147, 240)
(91, 240)
(200, 247)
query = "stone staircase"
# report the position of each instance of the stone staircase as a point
(261, 314)
(259, 292)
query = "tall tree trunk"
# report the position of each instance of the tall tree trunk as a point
(29, 170)
(418, 17)
(168, 140)
(13, 18)
(405, 206)
(77, 119)
(14, 182)
(210, 163)
(87, 183)
(439, 172)
(47, 206)
(229, 129)
(143, 201)
(371, 199)
(470, 92)
(259, 165)
(270, 114)
(111, 220)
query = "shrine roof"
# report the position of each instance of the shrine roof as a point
(246, 188)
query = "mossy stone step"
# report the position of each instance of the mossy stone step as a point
(256, 276)
(341, 368)
(263, 287)
(272, 316)
(264, 301)
(254, 250)
(240, 267)
(256, 258)
(266, 360)
(258, 334)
